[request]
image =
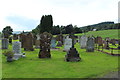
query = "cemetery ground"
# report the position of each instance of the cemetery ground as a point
(92, 65)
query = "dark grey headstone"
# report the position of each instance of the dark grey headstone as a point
(90, 45)
(5, 43)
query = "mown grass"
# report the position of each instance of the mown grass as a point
(92, 65)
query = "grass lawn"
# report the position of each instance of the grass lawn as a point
(92, 65)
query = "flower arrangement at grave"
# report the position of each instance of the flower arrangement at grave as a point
(9, 54)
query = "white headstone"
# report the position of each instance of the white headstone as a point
(83, 42)
(67, 44)
(17, 50)
(38, 37)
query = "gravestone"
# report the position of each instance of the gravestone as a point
(83, 42)
(107, 39)
(28, 44)
(34, 39)
(106, 45)
(113, 41)
(72, 55)
(79, 38)
(17, 50)
(22, 39)
(59, 38)
(99, 41)
(67, 44)
(37, 42)
(5, 43)
(90, 44)
(45, 40)
(119, 44)
(53, 43)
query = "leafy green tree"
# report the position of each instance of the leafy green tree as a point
(7, 31)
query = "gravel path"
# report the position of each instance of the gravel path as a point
(115, 74)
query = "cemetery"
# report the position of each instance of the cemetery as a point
(60, 56)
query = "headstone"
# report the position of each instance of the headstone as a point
(119, 44)
(107, 39)
(45, 40)
(106, 44)
(72, 54)
(67, 44)
(79, 38)
(5, 43)
(59, 38)
(22, 39)
(17, 50)
(28, 44)
(83, 42)
(37, 41)
(53, 43)
(37, 44)
(113, 41)
(99, 41)
(90, 44)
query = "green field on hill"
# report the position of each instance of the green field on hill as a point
(92, 64)
(112, 33)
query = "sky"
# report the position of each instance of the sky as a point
(26, 14)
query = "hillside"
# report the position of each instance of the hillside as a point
(113, 33)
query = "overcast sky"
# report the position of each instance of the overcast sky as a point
(26, 14)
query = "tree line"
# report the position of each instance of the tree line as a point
(46, 25)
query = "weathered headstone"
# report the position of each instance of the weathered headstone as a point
(53, 43)
(119, 44)
(22, 39)
(106, 45)
(45, 40)
(72, 54)
(79, 38)
(83, 42)
(37, 41)
(5, 43)
(17, 50)
(107, 39)
(67, 44)
(90, 44)
(113, 41)
(28, 44)
(59, 38)
(99, 41)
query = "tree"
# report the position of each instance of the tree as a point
(56, 30)
(7, 31)
(36, 30)
(77, 30)
(69, 29)
(46, 24)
